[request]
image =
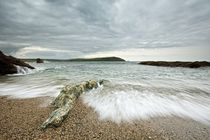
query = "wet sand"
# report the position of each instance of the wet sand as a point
(20, 119)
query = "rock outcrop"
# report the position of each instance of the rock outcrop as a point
(65, 102)
(38, 60)
(196, 64)
(8, 64)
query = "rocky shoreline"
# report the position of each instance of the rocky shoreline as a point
(20, 119)
(196, 64)
(8, 64)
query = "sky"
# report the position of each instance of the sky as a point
(135, 30)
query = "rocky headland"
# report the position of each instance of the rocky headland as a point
(196, 64)
(8, 64)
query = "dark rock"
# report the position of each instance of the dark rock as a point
(38, 60)
(7, 64)
(196, 64)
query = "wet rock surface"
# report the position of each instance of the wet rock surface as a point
(65, 102)
(196, 64)
(8, 64)
(39, 60)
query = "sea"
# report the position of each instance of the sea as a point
(130, 92)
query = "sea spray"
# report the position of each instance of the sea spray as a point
(127, 105)
(24, 70)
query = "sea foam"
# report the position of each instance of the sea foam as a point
(130, 105)
(23, 70)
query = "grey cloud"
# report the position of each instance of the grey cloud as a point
(91, 26)
(10, 48)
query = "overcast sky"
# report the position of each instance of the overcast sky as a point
(131, 29)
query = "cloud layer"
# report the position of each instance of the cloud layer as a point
(144, 29)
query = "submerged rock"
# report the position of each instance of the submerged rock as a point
(196, 64)
(39, 60)
(8, 64)
(65, 102)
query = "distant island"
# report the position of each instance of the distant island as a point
(196, 64)
(98, 59)
(82, 59)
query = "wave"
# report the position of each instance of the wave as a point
(24, 70)
(29, 90)
(126, 103)
(55, 68)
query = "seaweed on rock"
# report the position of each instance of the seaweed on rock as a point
(65, 102)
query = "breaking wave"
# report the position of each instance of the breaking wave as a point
(126, 103)
(24, 70)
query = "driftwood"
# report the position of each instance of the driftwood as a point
(65, 101)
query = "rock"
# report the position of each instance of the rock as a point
(196, 64)
(38, 60)
(8, 64)
(65, 102)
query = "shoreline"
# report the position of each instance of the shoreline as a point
(20, 119)
(185, 64)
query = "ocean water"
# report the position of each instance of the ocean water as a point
(131, 91)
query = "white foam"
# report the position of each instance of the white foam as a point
(128, 106)
(29, 91)
(23, 70)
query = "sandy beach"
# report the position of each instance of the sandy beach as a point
(104, 70)
(21, 118)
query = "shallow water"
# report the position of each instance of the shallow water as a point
(132, 91)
